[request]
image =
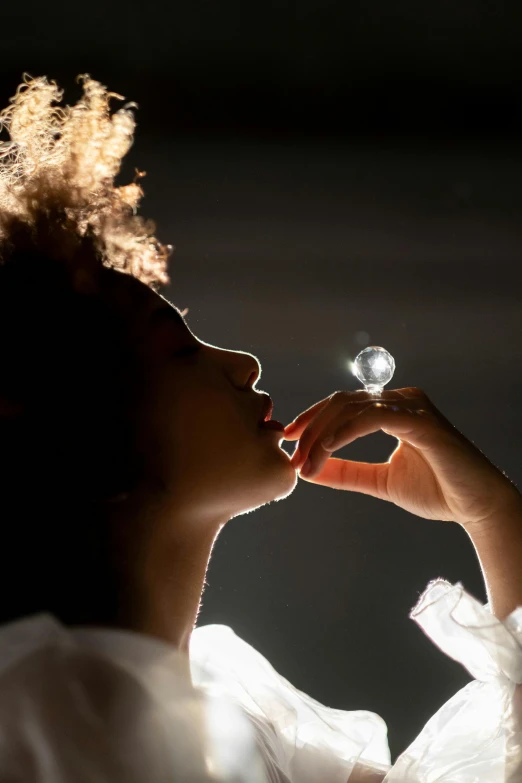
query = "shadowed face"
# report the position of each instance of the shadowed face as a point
(199, 422)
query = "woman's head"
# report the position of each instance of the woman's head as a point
(107, 399)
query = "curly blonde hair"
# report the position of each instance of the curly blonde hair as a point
(57, 189)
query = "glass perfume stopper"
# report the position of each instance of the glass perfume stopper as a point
(374, 367)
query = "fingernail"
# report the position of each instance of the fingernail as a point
(306, 468)
(290, 427)
(328, 441)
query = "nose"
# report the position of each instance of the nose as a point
(242, 368)
(251, 369)
(245, 369)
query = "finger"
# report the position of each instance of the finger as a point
(323, 421)
(410, 424)
(311, 442)
(294, 430)
(414, 424)
(413, 392)
(340, 405)
(370, 479)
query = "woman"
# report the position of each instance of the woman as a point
(127, 444)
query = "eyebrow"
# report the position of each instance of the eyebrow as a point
(167, 313)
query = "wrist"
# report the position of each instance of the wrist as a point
(497, 540)
(507, 510)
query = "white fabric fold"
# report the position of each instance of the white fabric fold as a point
(89, 704)
(110, 706)
(308, 741)
(476, 737)
(470, 634)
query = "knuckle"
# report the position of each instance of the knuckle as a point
(346, 397)
(338, 395)
(414, 393)
(419, 393)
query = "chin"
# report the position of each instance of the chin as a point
(287, 481)
(281, 481)
(275, 483)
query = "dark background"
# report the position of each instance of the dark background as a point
(332, 175)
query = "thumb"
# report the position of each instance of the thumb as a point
(368, 478)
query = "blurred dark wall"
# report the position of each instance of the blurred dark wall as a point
(332, 175)
(372, 67)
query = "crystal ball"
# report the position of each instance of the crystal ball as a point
(374, 367)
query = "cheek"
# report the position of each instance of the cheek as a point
(212, 433)
(201, 427)
(211, 445)
(212, 424)
(204, 419)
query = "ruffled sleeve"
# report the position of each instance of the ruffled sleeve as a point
(112, 706)
(301, 740)
(476, 736)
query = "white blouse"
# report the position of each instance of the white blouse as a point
(112, 706)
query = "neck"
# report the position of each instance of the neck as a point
(171, 583)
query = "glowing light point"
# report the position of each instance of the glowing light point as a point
(374, 367)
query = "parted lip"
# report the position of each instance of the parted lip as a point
(268, 407)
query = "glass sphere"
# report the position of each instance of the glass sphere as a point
(374, 367)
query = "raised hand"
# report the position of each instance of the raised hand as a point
(434, 471)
